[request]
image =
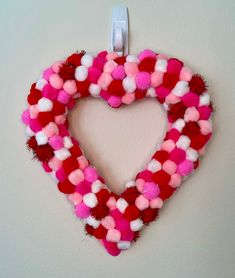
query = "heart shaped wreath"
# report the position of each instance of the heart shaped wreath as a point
(116, 220)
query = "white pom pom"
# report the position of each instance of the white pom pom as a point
(191, 154)
(45, 104)
(41, 138)
(53, 176)
(154, 166)
(151, 92)
(136, 225)
(96, 186)
(181, 88)
(90, 200)
(94, 90)
(29, 132)
(132, 58)
(87, 60)
(204, 99)
(183, 142)
(92, 222)
(62, 154)
(129, 84)
(81, 73)
(123, 244)
(40, 84)
(129, 184)
(179, 124)
(161, 65)
(67, 142)
(121, 205)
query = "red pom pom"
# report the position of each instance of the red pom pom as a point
(89, 230)
(45, 118)
(169, 80)
(147, 64)
(44, 153)
(58, 108)
(70, 164)
(75, 151)
(67, 71)
(115, 88)
(32, 143)
(100, 232)
(130, 194)
(166, 192)
(196, 164)
(176, 111)
(131, 213)
(34, 96)
(198, 141)
(100, 211)
(66, 187)
(161, 178)
(161, 156)
(197, 84)
(139, 94)
(191, 128)
(75, 59)
(82, 87)
(102, 196)
(120, 60)
(149, 215)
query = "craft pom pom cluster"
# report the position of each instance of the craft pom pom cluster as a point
(117, 220)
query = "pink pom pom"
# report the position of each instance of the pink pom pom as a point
(146, 53)
(151, 190)
(90, 174)
(118, 72)
(143, 80)
(25, 117)
(185, 168)
(114, 101)
(82, 211)
(56, 142)
(94, 74)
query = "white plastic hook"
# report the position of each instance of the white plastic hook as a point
(119, 30)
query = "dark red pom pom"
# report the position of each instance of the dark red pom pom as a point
(147, 64)
(170, 80)
(161, 156)
(102, 196)
(45, 118)
(67, 71)
(100, 232)
(130, 194)
(43, 153)
(75, 59)
(100, 211)
(131, 213)
(34, 96)
(70, 164)
(120, 60)
(191, 128)
(58, 108)
(197, 84)
(136, 236)
(66, 187)
(166, 192)
(149, 215)
(32, 143)
(89, 230)
(115, 88)
(139, 94)
(161, 178)
(176, 111)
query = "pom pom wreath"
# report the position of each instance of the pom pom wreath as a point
(117, 220)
